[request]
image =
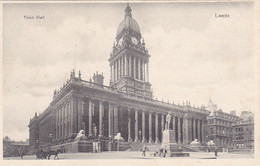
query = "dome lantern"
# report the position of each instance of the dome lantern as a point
(128, 24)
(128, 11)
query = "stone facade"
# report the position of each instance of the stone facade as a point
(230, 130)
(126, 106)
(219, 128)
(243, 132)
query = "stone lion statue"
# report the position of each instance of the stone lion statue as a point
(80, 136)
(211, 143)
(195, 143)
(119, 138)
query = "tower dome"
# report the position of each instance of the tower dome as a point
(128, 23)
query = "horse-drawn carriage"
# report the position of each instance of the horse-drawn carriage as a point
(41, 154)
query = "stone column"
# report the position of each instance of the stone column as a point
(139, 69)
(143, 127)
(144, 75)
(115, 73)
(62, 121)
(162, 123)
(115, 69)
(90, 114)
(156, 128)
(173, 123)
(80, 114)
(130, 66)
(111, 73)
(199, 138)
(129, 125)
(190, 130)
(66, 119)
(179, 130)
(150, 127)
(119, 65)
(115, 120)
(118, 71)
(115, 63)
(185, 130)
(71, 117)
(101, 112)
(194, 130)
(125, 66)
(134, 67)
(110, 120)
(57, 124)
(147, 71)
(136, 126)
(174, 129)
(122, 67)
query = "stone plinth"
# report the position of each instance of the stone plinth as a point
(168, 142)
(168, 136)
(75, 147)
(123, 146)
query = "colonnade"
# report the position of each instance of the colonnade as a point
(131, 66)
(134, 124)
(64, 118)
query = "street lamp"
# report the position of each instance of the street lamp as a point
(37, 145)
(140, 135)
(50, 137)
(95, 131)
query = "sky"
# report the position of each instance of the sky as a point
(194, 55)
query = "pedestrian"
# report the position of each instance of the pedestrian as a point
(21, 153)
(164, 152)
(161, 152)
(216, 153)
(144, 149)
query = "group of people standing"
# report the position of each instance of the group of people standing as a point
(161, 152)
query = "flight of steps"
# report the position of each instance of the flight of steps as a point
(137, 146)
(153, 147)
(191, 149)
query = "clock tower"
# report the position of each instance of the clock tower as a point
(129, 60)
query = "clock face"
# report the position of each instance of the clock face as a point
(134, 41)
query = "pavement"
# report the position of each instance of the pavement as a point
(138, 155)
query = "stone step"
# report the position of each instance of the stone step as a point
(191, 149)
(137, 146)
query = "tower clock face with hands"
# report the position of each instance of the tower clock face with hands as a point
(134, 40)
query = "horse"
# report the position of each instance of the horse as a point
(41, 155)
(55, 153)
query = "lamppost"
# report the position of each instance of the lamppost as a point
(140, 135)
(95, 131)
(37, 145)
(50, 137)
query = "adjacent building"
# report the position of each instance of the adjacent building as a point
(228, 130)
(243, 132)
(219, 126)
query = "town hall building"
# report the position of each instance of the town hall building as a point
(126, 106)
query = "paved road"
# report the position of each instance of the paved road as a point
(137, 155)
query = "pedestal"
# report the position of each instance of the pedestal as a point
(168, 142)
